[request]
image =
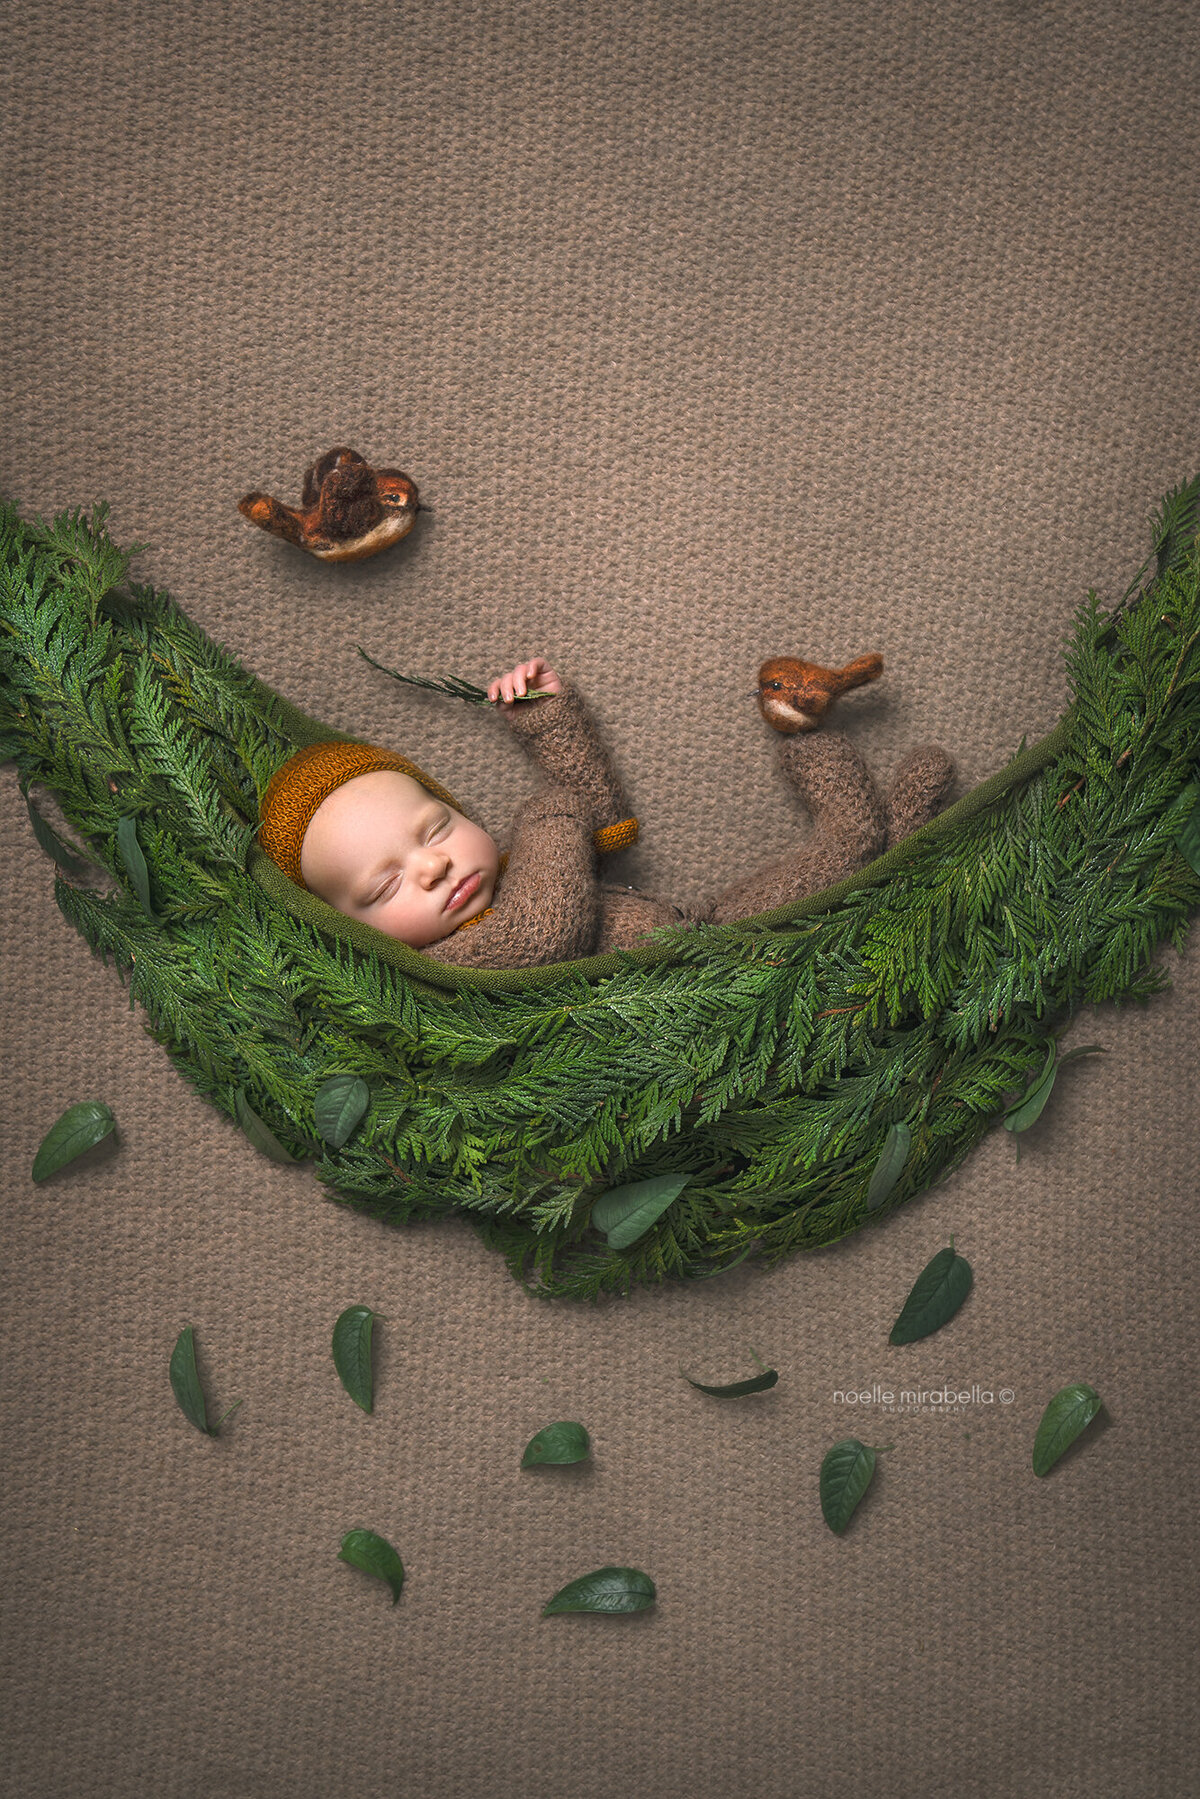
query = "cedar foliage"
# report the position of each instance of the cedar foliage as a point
(767, 1062)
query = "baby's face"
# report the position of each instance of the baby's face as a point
(384, 849)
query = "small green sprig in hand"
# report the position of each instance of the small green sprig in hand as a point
(457, 690)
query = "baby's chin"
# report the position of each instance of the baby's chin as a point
(448, 922)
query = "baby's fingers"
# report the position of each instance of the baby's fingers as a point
(519, 680)
(537, 672)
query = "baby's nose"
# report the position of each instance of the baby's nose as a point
(434, 863)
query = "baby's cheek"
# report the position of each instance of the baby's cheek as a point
(490, 854)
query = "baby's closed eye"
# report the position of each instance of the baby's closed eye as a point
(437, 829)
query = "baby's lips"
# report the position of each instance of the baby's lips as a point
(464, 882)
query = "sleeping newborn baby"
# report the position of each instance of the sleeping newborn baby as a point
(376, 838)
(384, 849)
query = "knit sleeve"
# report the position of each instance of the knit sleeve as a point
(560, 734)
(546, 907)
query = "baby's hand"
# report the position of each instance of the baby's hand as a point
(537, 672)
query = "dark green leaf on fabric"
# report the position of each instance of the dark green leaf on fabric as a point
(185, 1382)
(339, 1105)
(260, 1134)
(557, 1443)
(1068, 1414)
(352, 1353)
(937, 1293)
(52, 843)
(626, 1213)
(1028, 1108)
(77, 1129)
(135, 863)
(1085, 1049)
(845, 1476)
(610, 1590)
(757, 1383)
(374, 1555)
(890, 1165)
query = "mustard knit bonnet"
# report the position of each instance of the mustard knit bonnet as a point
(299, 785)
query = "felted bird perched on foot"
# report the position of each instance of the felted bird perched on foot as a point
(794, 696)
(348, 510)
(853, 822)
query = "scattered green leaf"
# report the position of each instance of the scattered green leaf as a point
(605, 1590)
(1067, 1415)
(339, 1105)
(352, 1353)
(259, 1133)
(135, 863)
(557, 1443)
(626, 1213)
(77, 1129)
(758, 1383)
(374, 1555)
(1028, 1107)
(52, 843)
(1023, 1111)
(937, 1293)
(890, 1165)
(845, 1476)
(1085, 1049)
(185, 1384)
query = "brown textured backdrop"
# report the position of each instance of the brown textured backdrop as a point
(708, 332)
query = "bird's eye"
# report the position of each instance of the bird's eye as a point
(775, 686)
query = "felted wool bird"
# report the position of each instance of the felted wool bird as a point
(348, 510)
(794, 696)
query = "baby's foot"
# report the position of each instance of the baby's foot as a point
(795, 696)
(918, 790)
